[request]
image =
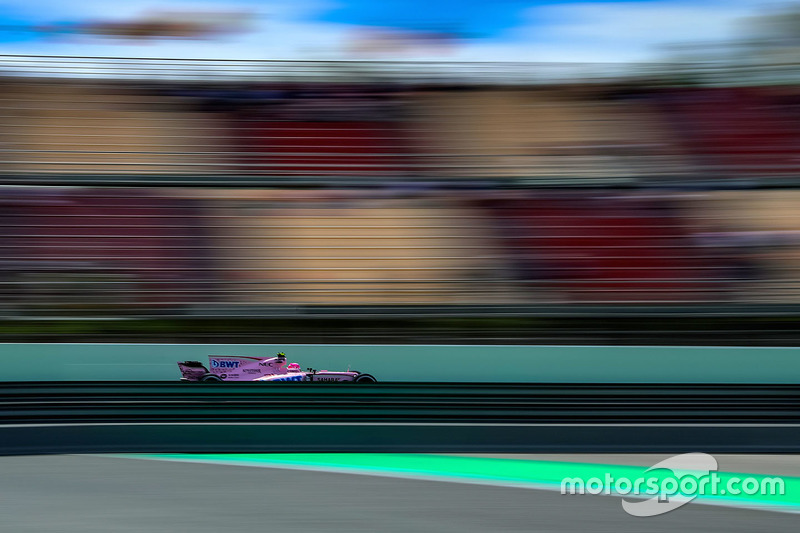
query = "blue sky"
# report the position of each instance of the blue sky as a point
(472, 17)
(518, 30)
(478, 18)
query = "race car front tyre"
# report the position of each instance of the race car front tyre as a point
(365, 378)
(211, 378)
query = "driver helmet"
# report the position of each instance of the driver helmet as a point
(293, 367)
(281, 354)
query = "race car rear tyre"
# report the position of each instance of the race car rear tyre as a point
(211, 378)
(365, 378)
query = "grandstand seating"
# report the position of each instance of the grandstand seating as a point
(84, 128)
(604, 247)
(758, 231)
(95, 249)
(330, 148)
(736, 131)
(535, 133)
(340, 247)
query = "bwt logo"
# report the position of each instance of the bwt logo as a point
(224, 364)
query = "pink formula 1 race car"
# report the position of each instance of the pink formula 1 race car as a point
(242, 368)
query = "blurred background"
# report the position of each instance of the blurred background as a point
(511, 172)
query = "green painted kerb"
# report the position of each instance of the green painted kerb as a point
(550, 364)
(533, 474)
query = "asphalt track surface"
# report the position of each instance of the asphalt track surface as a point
(87, 494)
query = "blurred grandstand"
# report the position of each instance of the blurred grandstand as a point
(396, 201)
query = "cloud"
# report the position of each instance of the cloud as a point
(581, 31)
(642, 22)
(281, 30)
(614, 31)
